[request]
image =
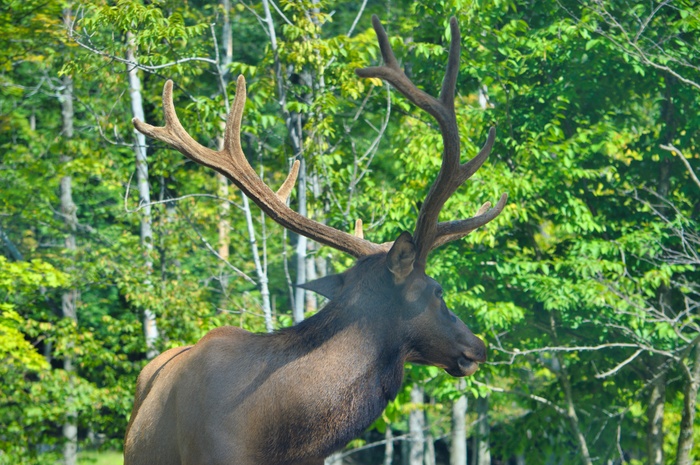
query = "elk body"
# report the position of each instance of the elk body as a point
(297, 395)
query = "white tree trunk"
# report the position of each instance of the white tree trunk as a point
(69, 299)
(458, 451)
(388, 446)
(416, 427)
(429, 455)
(294, 131)
(684, 449)
(334, 459)
(655, 421)
(224, 227)
(223, 189)
(483, 431)
(222, 181)
(302, 244)
(150, 327)
(259, 269)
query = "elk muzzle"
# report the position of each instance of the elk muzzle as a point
(473, 352)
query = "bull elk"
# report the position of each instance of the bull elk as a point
(297, 395)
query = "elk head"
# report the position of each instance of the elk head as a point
(391, 274)
(407, 307)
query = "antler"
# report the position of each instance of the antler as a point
(430, 234)
(231, 162)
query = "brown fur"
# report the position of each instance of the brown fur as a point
(295, 396)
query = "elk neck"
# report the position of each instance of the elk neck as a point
(344, 365)
(358, 341)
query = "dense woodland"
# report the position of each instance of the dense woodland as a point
(585, 289)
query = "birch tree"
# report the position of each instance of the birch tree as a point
(416, 426)
(458, 439)
(150, 326)
(294, 125)
(482, 450)
(69, 299)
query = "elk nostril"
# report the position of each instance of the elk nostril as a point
(477, 350)
(480, 355)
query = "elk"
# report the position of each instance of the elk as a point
(296, 395)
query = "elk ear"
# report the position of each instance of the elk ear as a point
(400, 258)
(328, 286)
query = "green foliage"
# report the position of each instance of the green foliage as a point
(101, 458)
(15, 350)
(595, 249)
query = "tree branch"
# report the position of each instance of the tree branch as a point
(674, 150)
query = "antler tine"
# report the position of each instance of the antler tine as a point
(288, 184)
(447, 93)
(358, 228)
(428, 233)
(232, 134)
(392, 73)
(173, 134)
(452, 230)
(232, 163)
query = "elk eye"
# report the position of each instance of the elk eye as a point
(438, 293)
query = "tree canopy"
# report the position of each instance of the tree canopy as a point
(585, 288)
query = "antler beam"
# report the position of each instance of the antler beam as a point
(430, 234)
(231, 162)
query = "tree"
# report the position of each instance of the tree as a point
(69, 300)
(586, 283)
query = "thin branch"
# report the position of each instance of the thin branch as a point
(648, 19)
(14, 251)
(372, 149)
(674, 150)
(619, 447)
(631, 46)
(619, 365)
(216, 254)
(403, 437)
(220, 74)
(534, 397)
(365, 159)
(175, 199)
(350, 31)
(610, 345)
(357, 18)
(260, 19)
(142, 67)
(279, 12)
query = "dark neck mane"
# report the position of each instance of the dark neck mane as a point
(359, 391)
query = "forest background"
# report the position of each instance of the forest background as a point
(585, 289)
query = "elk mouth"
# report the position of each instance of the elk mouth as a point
(465, 367)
